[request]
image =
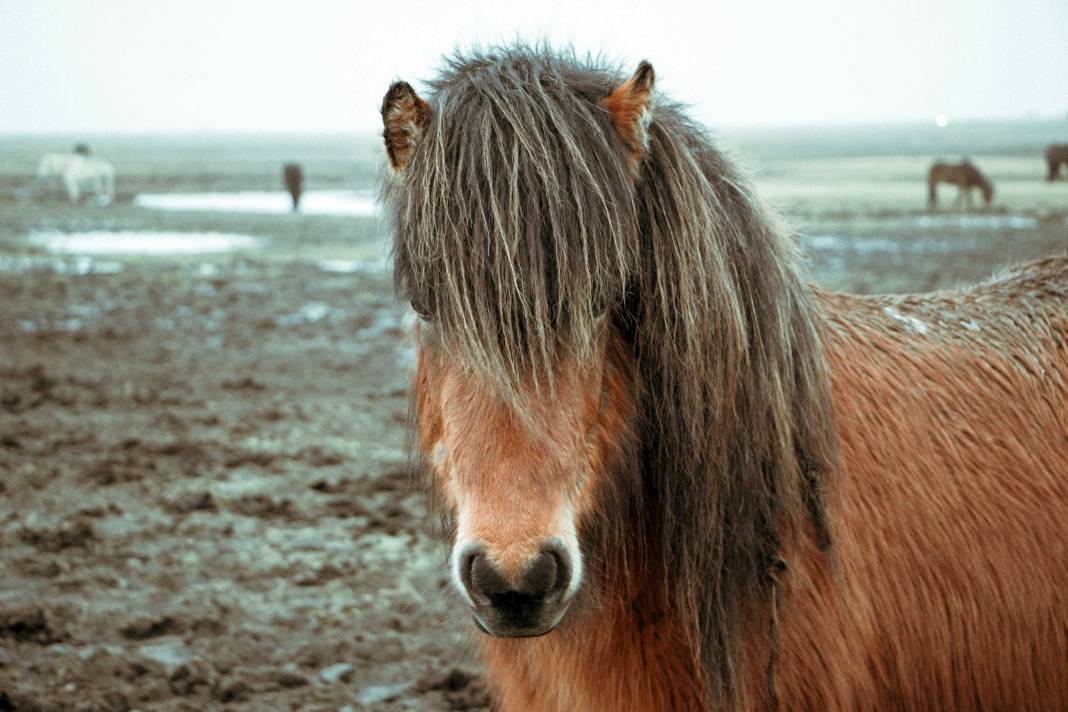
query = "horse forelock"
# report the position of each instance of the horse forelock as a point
(515, 226)
(521, 230)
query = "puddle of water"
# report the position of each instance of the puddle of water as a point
(307, 314)
(169, 651)
(315, 202)
(838, 243)
(980, 222)
(78, 265)
(103, 242)
(351, 266)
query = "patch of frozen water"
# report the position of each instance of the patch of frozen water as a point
(71, 325)
(857, 244)
(307, 314)
(170, 652)
(911, 245)
(351, 266)
(90, 650)
(976, 222)
(104, 242)
(377, 694)
(314, 202)
(79, 265)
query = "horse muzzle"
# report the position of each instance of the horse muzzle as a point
(523, 605)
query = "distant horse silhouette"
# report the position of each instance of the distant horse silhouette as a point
(78, 171)
(1056, 155)
(674, 476)
(965, 176)
(293, 175)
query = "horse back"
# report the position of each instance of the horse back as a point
(1057, 152)
(948, 587)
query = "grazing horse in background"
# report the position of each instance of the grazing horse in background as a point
(293, 176)
(76, 170)
(674, 476)
(965, 176)
(93, 173)
(52, 165)
(1056, 156)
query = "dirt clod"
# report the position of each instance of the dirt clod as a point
(150, 627)
(77, 533)
(32, 625)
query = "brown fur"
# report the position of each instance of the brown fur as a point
(642, 346)
(951, 586)
(965, 176)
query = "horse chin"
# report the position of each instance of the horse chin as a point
(512, 632)
(507, 629)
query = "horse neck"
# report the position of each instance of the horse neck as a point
(625, 654)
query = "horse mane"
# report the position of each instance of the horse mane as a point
(520, 225)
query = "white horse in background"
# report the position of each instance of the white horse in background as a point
(79, 171)
(52, 165)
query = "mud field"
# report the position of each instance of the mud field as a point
(205, 497)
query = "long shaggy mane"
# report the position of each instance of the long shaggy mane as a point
(523, 232)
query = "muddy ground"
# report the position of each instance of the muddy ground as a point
(205, 497)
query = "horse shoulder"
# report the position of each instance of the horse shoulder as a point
(952, 413)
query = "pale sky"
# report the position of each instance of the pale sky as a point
(309, 66)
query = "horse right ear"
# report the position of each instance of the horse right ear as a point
(404, 116)
(631, 106)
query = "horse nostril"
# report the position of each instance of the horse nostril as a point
(480, 576)
(549, 573)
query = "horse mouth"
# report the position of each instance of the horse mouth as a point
(506, 631)
(517, 621)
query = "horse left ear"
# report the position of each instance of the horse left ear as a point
(631, 106)
(404, 116)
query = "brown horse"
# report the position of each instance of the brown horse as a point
(1056, 156)
(674, 477)
(965, 176)
(293, 177)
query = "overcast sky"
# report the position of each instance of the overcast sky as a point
(303, 65)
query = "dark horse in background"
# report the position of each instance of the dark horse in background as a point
(965, 176)
(677, 478)
(1056, 156)
(293, 175)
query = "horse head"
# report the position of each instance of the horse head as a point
(518, 440)
(614, 351)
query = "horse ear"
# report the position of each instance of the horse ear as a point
(631, 106)
(404, 116)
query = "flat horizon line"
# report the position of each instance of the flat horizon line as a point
(726, 126)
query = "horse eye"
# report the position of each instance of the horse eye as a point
(421, 311)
